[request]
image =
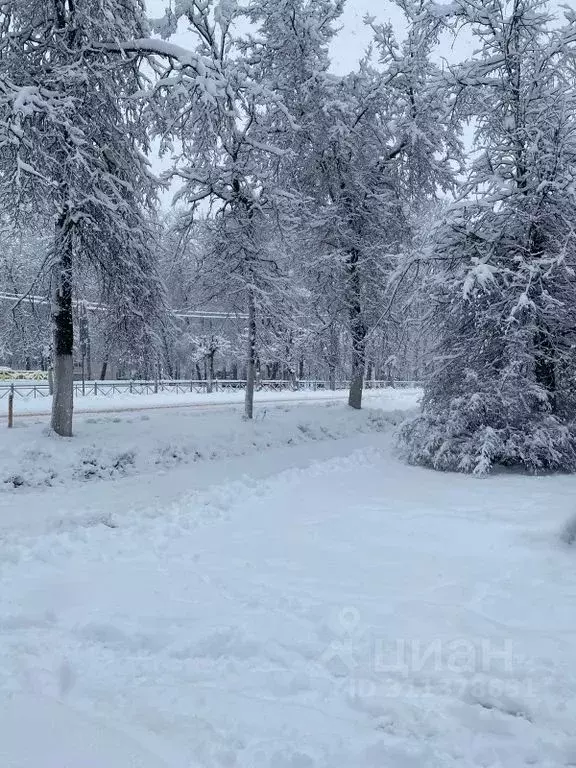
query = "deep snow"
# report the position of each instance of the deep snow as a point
(112, 445)
(351, 612)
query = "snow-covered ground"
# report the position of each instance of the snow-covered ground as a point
(307, 604)
(149, 438)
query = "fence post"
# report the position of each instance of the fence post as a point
(95, 388)
(11, 407)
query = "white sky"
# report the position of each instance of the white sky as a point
(347, 49)
(350, 45)
(354, 37)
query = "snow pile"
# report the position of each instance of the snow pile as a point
(352, 613)
(115, 446)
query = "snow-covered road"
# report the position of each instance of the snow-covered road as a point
(26, 408)
(345, 613)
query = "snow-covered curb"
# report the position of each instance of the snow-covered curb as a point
(113, 446)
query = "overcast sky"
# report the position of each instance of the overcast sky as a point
(347, 50)
(350, 44)
(354, 37)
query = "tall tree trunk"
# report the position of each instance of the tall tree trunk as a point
(357, 332)
(333, 357)
(85, 342)
(544, 368)
(167, 357)
(370, 374)
(88, 354)
(104, 369)
(358, 365)
(250, 357)
(63, 332)
(210, 379)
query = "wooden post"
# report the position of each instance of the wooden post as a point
(11, 407)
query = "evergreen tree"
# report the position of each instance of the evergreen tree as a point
(504, 257)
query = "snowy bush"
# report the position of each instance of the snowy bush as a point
(451, 442)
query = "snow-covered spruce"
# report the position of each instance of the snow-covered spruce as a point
(503, 259)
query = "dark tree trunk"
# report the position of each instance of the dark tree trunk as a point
(88, 355)
(104, 369)
(250, 357)
(357, 332)
(544, 368)
(85, 343)
(210, 379)
(292, 378)
(333, 357)
(167, 357)
(63, 331)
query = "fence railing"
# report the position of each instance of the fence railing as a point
(32, 390)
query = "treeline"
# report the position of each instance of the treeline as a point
(338, 215)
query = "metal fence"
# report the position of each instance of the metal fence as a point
(31, 390)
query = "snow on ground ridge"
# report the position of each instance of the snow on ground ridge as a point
(109, 447)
